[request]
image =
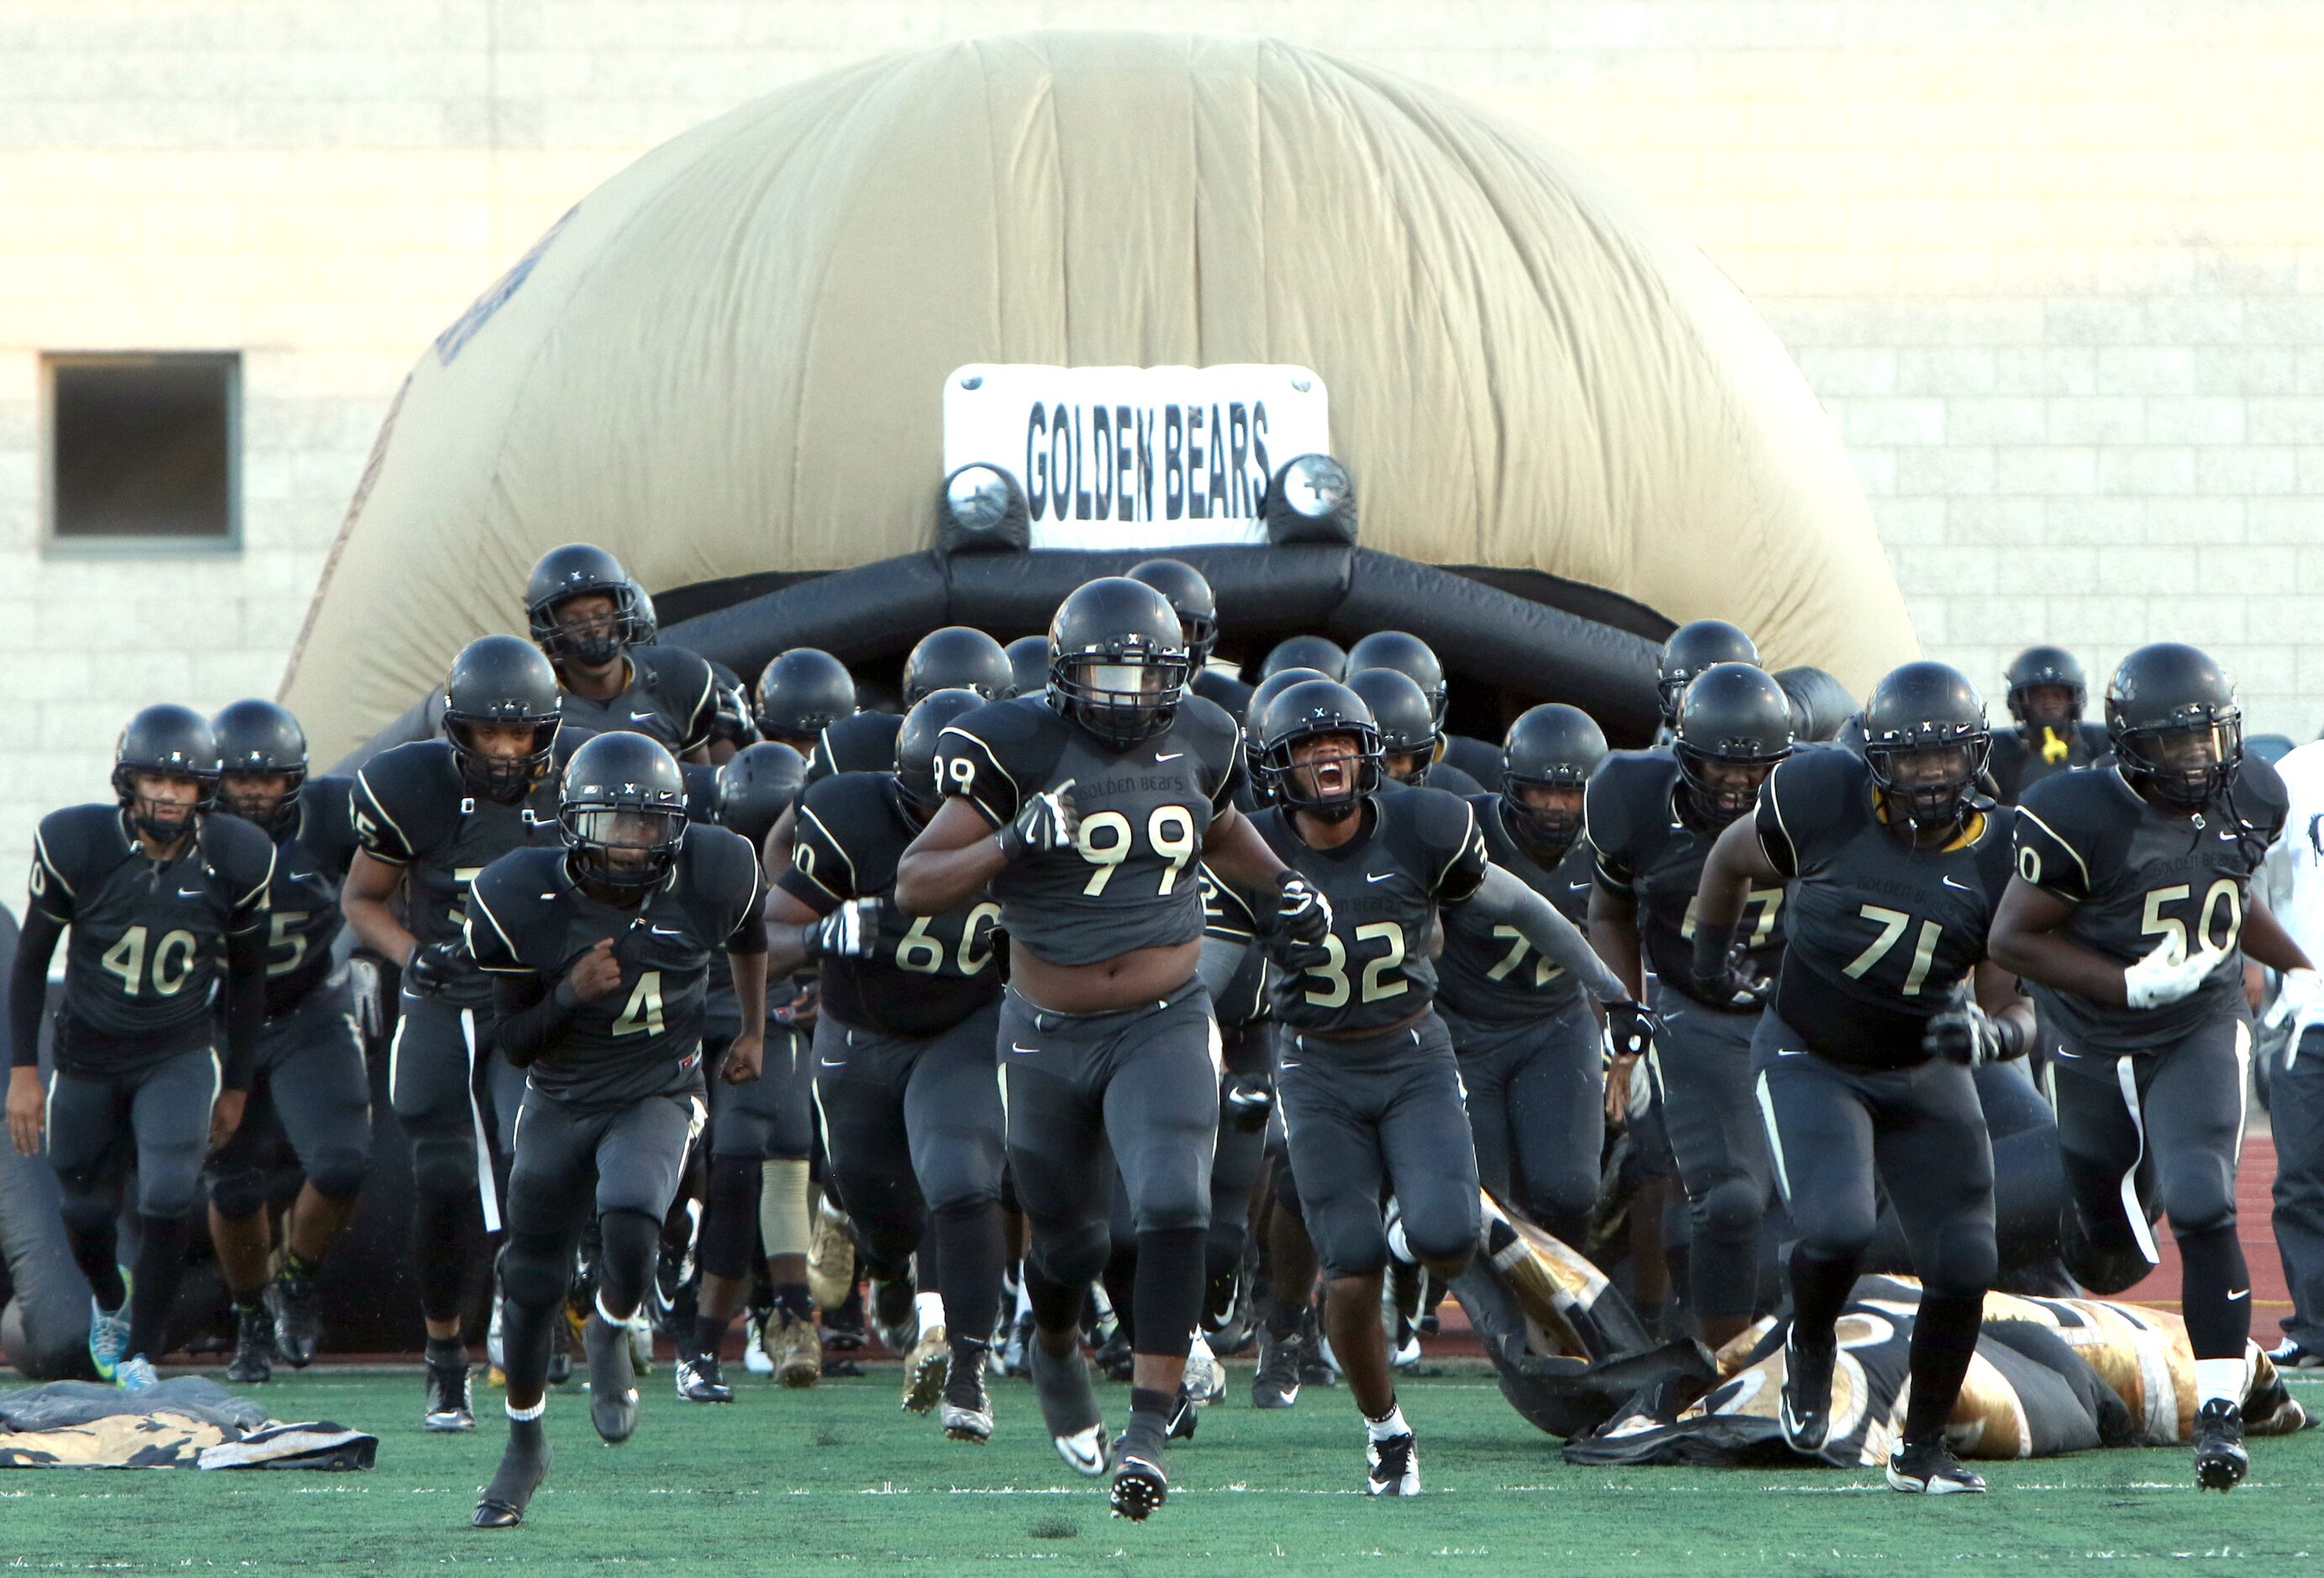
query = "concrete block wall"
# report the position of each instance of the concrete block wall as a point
(2055, 268)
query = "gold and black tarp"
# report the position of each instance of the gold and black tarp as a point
(186, 1422)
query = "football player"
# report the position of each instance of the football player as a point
(1366, 1077)
(761, 1135)
(903, 1065)
(1415, 659)
(1862, 1064)
(1088, 812)
(2047, 693)
(429, 816)
(309, 1083)
(1412, 746)
(1028, 664)
(1692, 648)
(1197, 608)
(2131, 897)
(1528, 1042)
(584, 615)
(955, 657)
(801, 692)
(167, 904)
(1320, 653)
(1653, 816)
(599, 953)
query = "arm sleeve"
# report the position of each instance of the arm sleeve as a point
(530, 1013)
(245, 1001)
(1500, 896)
(28, 986)
(1459, 844)
(970, 769)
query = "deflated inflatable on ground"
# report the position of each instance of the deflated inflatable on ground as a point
(729, 363)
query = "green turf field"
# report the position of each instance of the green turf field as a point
(838, 1477)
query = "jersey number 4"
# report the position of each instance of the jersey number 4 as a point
(642, 1014)
(1381, 979)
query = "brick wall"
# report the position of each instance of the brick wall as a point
(2056, 268)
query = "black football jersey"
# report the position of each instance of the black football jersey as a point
(1451, 780)
(862, 742)
(1223, 691)
(1488, 972)
(931, 971)
(412, 809)
(1480, 760)
(673, 695)
(1417, 850)
(1651, 854)
(148, 940)
(1229, 916)
(1133, 879)
(526, 915)
(2018, 763)
(1878, 935)
(303, 920)
(2138, 876)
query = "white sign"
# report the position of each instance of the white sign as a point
(1136, 457)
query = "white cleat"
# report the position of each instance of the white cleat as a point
(1392, 1466)
(1085, 1450)
(1207, 1378)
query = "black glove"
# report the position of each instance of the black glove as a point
(849, 932)
(1045, 823)
(1965, 1033)
(1721, 972)
(439, 964)
(1630, 1028)
(1302, 912)
(1250, 1101)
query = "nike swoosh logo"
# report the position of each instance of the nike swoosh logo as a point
(1577, 887)
(1380, 877)
(642, 717)
(1286, 1063)
(1015, 1048)
(1789, 1053)
(664, 931)
(1173, 757)
(1964, 886)
(2239, 1293)
(833, 1063)
(189, 893)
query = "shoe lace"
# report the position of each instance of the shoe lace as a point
(1395, 1456)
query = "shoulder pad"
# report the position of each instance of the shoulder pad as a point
(721, 864)
(507, 902)
(2261, 799)
(1624, 783)
(71, 840)
(701, 792)
(237, 851)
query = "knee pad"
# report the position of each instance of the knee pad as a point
(444, 1164)
(1728, 1211)
(535, 1272)
(966, 1173)
(338, 1175)
(1168, 1198)
(168, 1193)
(238, 1194)
(86, 1209)
(2104, 1265)
(1074, 1257)
(2198, 1197)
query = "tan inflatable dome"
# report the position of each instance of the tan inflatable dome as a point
(729, 359)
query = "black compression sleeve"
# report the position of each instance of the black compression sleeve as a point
(528, 1016)
(28, 987)
(245, 1005)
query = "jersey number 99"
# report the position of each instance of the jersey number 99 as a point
(1104, 841)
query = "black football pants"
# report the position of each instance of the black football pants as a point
(310, 1091)
(1536, 1097)
(1700, 1067)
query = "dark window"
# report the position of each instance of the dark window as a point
(143, 447)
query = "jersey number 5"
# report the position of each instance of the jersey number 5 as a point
(1104, 841)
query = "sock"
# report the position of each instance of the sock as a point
(449, 1351)
(928, 1311)
(296, 1265)
(1944, 1340)
(1150, 1409)
(2215, 1292)
(791, 1298)
(2219, 1380)
(253, 1302)
(1283, 1322)
(709, 1334)
(530, 1416)
(1388, 1425)
(785, 1225)
(1169, 1290)
(1820, 1289)
(161, 1258)
(439, 1224)
(968, 1265)
(528, 1331)
(1055, 1308)
(730, 1216)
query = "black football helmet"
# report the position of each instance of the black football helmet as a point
(622, 810)
(802, 693)
(2172, 720)
(1410, 656)
(1734, 725)
(957, 659)
(1549, 746)
(756, 785)
(1191, 596)
(499, 679)
(1254, 707)
(579, 570)
(2046, 665)
(645, 625)
(916, 748)
(1320, 653)
(1028, 664)
(734, 722)
(257, 740)
(1118, 660)
(1693, 647)
(1401, 713)
(1926, 740)
(169, 739)
(1306, 711)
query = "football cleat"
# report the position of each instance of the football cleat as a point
(925, 1368)
(639, 1328)
(1392, 1467)
(612, 1384)
(830, 1257)
(1184, 1416)
(966, 1413)
(1317, 1366)
(1207, 1378)
(448, 1400)
(1113, 1358)
(1139, 1483)
(756, 1359)
(794, 1350)
(1929, 1468)
(895, 1314)
(108, 1335)
(2220, 1460)
(699, 1382)
(253, 1348)
(1805, 1413)
(523, 1465)
(842, 1328)
(1069, 1409)
(2291, 1355)
(136, 1374)
(1276, 1383)
(560, 1355)
(1404, 1352)
(1016, 1354)
(298, 1324)
(493, 1346)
